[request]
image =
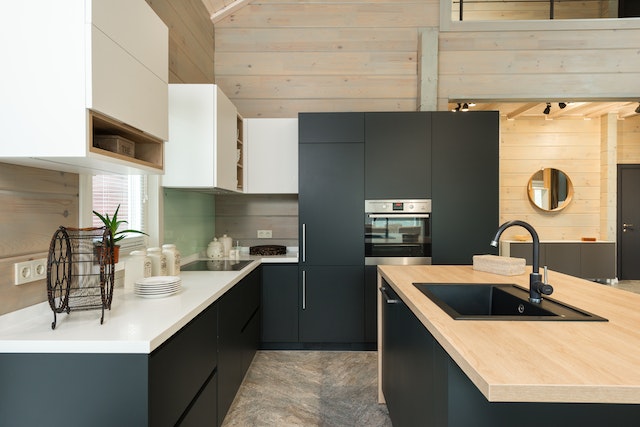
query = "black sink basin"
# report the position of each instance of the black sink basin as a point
(498, 302)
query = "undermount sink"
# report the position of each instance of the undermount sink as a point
(472, 301)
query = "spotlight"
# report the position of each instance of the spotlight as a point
(638, 108)
(465, 107)
(456, 109)
(548, 109)
(562, 105)
(472, 104)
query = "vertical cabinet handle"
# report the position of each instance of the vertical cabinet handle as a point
(304, 290)
(304, 243)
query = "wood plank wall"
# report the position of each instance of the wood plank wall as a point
(545, 64)
(33, 204)
(242, 216)
(573, 146)
(191, 40)
(275, 58)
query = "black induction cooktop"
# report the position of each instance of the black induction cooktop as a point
(216, 265)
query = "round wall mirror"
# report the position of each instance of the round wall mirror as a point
(550, 189)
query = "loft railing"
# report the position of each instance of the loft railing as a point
(489, 10)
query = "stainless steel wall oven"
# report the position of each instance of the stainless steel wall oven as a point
(397, 232)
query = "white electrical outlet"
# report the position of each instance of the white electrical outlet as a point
(265, 234)
(23, 272)
(30, 271)
(40, 269)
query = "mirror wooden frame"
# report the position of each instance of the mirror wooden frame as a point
(555, 192)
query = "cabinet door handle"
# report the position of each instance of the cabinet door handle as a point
(304, 290)
(304, 243)
(387, 297)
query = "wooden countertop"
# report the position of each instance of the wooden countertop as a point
(536, 361)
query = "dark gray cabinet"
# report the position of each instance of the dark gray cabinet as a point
(398, 155)
(238, 337)
(331, 203)
(407, 374)
(331, 218)
(180, 367)
(588, 260)
(280, 302)
(464, 149)
(332, 306)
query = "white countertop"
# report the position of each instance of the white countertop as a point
(133, 325)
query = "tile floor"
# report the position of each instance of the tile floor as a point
(309, 388)
(628, 285)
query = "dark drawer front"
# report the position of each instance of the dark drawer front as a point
(179, 368)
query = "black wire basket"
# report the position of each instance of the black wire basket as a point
(80, 270)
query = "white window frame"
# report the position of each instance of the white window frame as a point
(153, 222)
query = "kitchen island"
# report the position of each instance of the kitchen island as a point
(154, 361)
(521, 372)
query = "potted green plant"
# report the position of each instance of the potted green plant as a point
(113, 225)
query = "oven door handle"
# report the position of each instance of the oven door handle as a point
(389, 215)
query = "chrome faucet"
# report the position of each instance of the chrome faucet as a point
(537, 287)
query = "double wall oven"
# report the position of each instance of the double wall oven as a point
(397, 232)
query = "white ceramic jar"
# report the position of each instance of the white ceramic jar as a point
(173, 259)
(215, 249)
(158, 262)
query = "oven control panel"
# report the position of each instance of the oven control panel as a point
(398, 206)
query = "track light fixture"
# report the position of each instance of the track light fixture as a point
(638, 108)
(562, 105)
(456, 109)
(465, 107)
(547, 110)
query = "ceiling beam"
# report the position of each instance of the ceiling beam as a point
(526, 107)
(227, 10)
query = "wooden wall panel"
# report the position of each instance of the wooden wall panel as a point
(526, 145)
(242, 216)
(191, 40)
(33, 204)
(629, 140)
(546, 64)
(276, 58)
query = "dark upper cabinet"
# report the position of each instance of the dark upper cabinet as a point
(398, 155)
(331, 203)
(330, 127)
(465, 185)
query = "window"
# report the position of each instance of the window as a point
(128, 191)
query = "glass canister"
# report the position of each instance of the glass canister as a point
(158, 262)
(173, 259)
(227, 242)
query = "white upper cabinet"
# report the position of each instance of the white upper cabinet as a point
(82, 67)
(202, 150)
(271, 156)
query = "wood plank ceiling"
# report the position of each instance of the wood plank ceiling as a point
(220, 9)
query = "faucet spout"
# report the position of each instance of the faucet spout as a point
(535, 278)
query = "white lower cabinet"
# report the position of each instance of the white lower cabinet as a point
(271, 156)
